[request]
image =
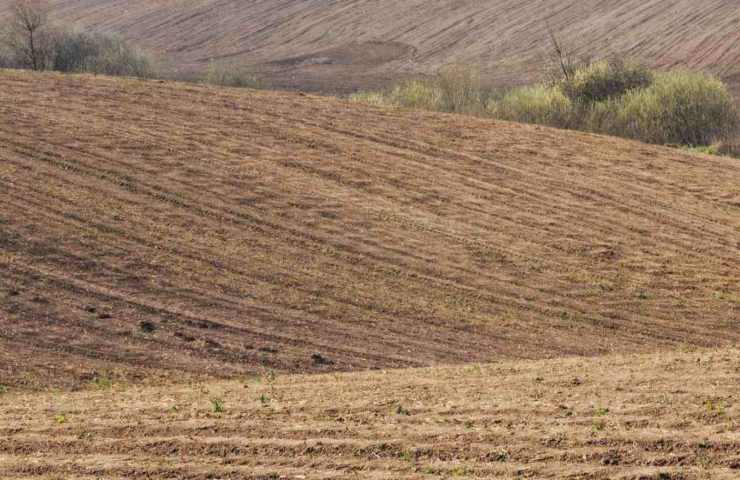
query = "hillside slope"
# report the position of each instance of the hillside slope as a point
(340, 45)
(168, 229)
(654, 417)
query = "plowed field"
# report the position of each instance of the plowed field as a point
(666, 416)
(150, 230)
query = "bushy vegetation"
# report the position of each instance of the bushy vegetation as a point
(535, 104)
(230, 76)
(460, 89)
(613, 97)
(100, 54)
(602, 80)
(455, 88)
(680, 107)
(30, 41)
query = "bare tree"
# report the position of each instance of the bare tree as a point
(28, 36)
(566, 62)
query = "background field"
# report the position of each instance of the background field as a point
(343, 45)
(153, 229)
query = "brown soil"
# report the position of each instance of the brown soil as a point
(665, 416)
(352, 44)
(155, 230)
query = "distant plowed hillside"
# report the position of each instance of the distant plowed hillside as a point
(181, 230)
(345, 44)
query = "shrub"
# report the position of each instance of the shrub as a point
(680, 107)
(116, 57)
(605, 79)
(217, 405)
(73, 51)
(459, 89)
(370, 98)
(455, 89)
(537, 104)
(230, 76)
(99, 54)
(729, 147)
(420, 94)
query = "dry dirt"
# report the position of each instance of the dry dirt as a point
(342, 45)
(152, 230)
(652, 417)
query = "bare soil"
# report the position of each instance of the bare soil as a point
(351, 44)
(153, 231)
(672, 415)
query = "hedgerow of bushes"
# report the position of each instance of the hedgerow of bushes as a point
(609, 96)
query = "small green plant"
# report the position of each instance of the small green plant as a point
(270, 377)
(60, 418)
(3, 389)
(102, 382)
(217, 405)
(264, 400)
(501, 456)
(461, 471)
(407, 455)
(601, 412)
(715, 407)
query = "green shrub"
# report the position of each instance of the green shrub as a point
(420, 94)
(605, 79)
(371, 98)
(217, 405)
(537, 104)
(455, 89)
(598, 117)
(227, 75)
(680, 107)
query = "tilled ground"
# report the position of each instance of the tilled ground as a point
(153, 230)
(672, 415)
(344, 45)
